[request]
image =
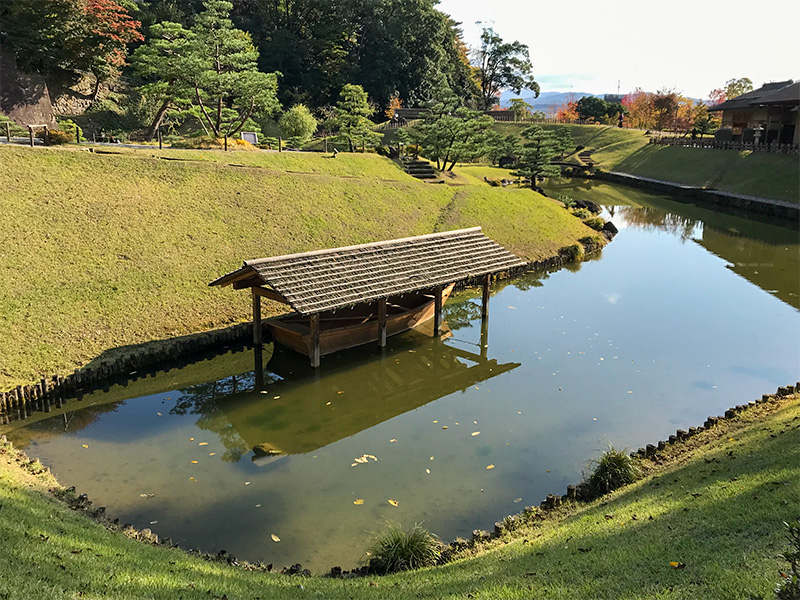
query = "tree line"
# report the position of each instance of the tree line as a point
(233, 64)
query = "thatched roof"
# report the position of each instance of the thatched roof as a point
(756, 97)
(322, 280)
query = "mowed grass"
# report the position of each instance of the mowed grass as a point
(715, 505)
(765, 175)
(103, 251)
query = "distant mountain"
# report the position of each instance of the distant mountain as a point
(545, 99)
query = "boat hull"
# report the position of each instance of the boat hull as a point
(348, 329)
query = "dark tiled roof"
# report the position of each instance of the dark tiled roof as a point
(753, 98)
(313, 282)
(786, 95)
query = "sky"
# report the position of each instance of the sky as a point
(598, 47)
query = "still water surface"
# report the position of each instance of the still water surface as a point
(686, 313)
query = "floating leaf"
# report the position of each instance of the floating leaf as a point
(153, 522)
(194, 462)
(327, 404)
(247, 483)
(142, 495)
(203, 444)
(392, 441)
(489, 467)
(85, 445)
(191, 439)
(474, 433)
(358, 501)
(275, 538)
(192, 479)
(354, 465)
(276, 397)
(393, 502)
(436, 421)
(340, 392)
(211, 453)
(444, 426)
(159, 414)
(431, 458)
(512, 307)
(264, 392)
(428, 471)
(594, 418)
(258, 506)
(517, 500)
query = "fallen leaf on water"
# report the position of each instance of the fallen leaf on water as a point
(517, 500)
(354, 465)
(490, 466)
(327, 404)
(630, 391)
(191, 439)
(358, 501)
(677, 565)
(444, 426)
(211, 453)
(194, 462)
(393, 502)
(85, 445)
(192, 479)
(428, 471)
(512, 307)
(431, 458)
(594, 418)
(258, 506)
(548, 470)
(474, 433)
(276, 397)
(340, 392)
(436, 421)
(264, 392)
(159, 414)
(392, 441)
(153, 522)
(203, 444)
(275, 538)
(247, 483)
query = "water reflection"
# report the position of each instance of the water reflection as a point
(293, 409)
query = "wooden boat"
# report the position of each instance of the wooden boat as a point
(351, 327)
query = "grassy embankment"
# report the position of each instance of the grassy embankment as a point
(102, 251)
(714, 503)
(760, 174)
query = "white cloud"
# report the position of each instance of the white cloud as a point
(691, 46)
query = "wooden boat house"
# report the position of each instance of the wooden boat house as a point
(344, 297)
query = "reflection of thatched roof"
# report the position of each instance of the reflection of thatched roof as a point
(313, 282)
(302, 413)
(778, 92)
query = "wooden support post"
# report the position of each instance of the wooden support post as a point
(487, 282)
(160, 139)
(46, 136)
(484, 338)
(437, 310)
(30, 134)
(8, 132)
(382, 322)
(226, 142)
(280, 144)
(256, 319)
(314, 326)
(258, 367)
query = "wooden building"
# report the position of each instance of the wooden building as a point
(767, 115)
(344, 297)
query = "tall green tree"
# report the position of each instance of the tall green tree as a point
(163, 62)
(563, 139)
(592, 107)
(352, 112)
(520, 108)
(539, 149)
(500, 65)
(737, 87)
(228, 87)
(451, 133)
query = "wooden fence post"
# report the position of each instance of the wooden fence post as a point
(8, 132)
(30, 134)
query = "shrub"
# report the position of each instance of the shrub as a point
(572, 253)
(382, 150)
(398, 550)
(568, 201)
(56, 137)
(612, 470)
(581, 213)
(789, 588)
(595, 223)
(71, 128)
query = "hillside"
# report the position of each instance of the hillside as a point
(101, 251)
(761, 174)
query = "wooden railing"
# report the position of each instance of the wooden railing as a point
(722, 145)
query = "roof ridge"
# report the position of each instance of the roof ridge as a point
(441, 234)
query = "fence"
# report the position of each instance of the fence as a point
(722, 145)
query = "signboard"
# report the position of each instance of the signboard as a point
(250, 136)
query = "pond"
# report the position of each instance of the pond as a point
(686, 313)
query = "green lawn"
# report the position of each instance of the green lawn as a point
(102, 251)
(766, 175)
(714, 504)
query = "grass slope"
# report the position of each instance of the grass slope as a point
(715, 503)
(101, 251)
(627, 150)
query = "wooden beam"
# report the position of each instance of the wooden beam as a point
(382, 322)
(256, 319)
(437, 309)
(487, 282)
(314, 326)
(268, 293)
